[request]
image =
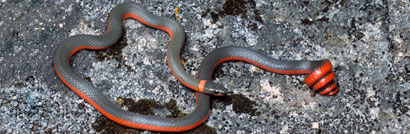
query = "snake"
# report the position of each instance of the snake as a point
(103, 103)
(320, 76)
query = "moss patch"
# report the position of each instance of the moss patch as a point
(241, 104)
(235, 8)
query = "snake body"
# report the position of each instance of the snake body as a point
(101, 102)
(320, 75)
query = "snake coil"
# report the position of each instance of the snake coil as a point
(321, 79)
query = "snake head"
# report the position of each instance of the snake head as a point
(215, 89)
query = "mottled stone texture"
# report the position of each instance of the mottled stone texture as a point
(367, 41)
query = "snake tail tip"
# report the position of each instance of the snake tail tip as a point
(322, 79)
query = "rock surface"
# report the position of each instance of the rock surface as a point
(368, 43)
